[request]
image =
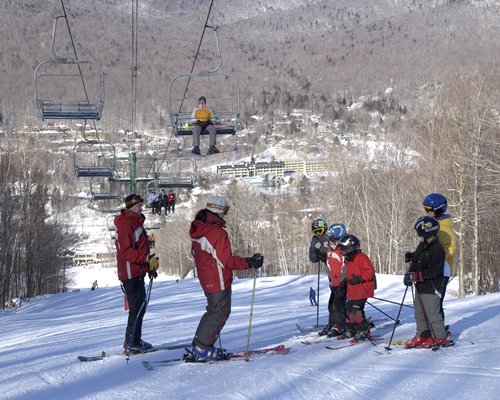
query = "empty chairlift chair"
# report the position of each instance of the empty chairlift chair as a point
(68, 89)
(101, 188)
(94, 159)
(173, 174)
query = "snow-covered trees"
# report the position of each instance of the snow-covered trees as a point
(32, 248)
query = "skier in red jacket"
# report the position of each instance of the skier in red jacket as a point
(215, 263)
(360, 275)
(335, 262)
(134, 262)
(171, 199)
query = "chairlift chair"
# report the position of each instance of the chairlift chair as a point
(226, 108)
(81, 82)
(221, 90)
(94, 159)
(167, 182)
(173, 173)
(100, 189)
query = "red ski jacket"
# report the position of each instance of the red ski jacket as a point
(335, 259)
(360, 265)
(131, 243)
(171, 197)
(212, 254)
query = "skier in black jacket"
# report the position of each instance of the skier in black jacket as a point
(319, 241)
(426, 272)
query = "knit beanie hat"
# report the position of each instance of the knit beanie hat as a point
(133, 199)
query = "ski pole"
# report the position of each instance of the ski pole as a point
(317, 303)
(388, 347)
(247, 352)
(144, 305)
(393, 302)
(378, 309)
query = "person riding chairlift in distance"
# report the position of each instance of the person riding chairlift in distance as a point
(202, 120)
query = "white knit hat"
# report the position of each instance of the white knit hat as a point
(217, 204)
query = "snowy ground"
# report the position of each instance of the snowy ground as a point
(39, 343)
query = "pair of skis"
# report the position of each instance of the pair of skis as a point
(322, 339)
(374, 340)
(238, 355)
(104, 355)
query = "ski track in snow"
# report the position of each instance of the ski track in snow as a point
(39, 343)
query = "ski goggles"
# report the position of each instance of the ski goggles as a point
(319, 231)
(134, 200)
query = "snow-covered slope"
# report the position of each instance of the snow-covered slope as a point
(39, 343)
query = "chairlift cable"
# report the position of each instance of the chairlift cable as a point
(135, 21)
(81, 77)
(74, 49)
(197, 53)
(205, 25)
(79, 70)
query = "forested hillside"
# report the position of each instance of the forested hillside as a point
(285, 54)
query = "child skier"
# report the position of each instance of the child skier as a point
(336, 303)
(319, 241)
(360, 276)
(426, 272)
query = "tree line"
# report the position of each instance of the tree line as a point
(34, 240)
(449, 145)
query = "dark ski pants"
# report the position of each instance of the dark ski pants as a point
(136, 294)
(214, 319)
(356, 320)
(427, 307)
(336, 306)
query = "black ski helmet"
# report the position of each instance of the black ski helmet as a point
(319, 226)
(349, 244)
(427, 226)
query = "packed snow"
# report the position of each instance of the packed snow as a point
(40, 340)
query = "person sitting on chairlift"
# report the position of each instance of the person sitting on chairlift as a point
(202, 117)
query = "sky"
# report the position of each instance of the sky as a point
(40, 342)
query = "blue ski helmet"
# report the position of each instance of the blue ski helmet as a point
(436, 203)
(335, 231)
(427, 226)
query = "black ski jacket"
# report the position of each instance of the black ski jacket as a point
(318, 248)
(429, 258)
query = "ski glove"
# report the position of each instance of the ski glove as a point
(152, 274)
(408, 256)
(413, 277)
(154, 264)
(408, 279)
(255, 261)
(355, 280)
